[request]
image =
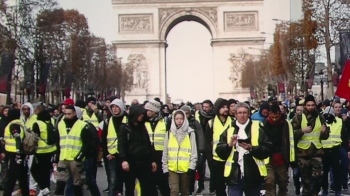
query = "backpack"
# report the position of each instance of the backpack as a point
(30, 142)
(52, 134)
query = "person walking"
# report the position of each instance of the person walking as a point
(4, 121)
(179, 154)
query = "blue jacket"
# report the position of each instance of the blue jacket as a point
(258, 116)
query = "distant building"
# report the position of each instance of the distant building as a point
(295, 10)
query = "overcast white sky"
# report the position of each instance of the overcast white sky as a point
(182, 65)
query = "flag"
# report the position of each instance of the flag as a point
(68, 84)
(6, 67)
(43, 78)
(281, 87)
(343, 90)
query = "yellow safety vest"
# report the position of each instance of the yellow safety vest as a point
(291, 144)
(334, 138)
(197, 116)
(112, 138)
(43, 147)
(312, 137)
(255, 142)
(91, 119)
(125, 120)
(157, 137)
(10, 142)
(53, 121)
(71, 143)
(179, 155)
(218, 129)
(30, 122)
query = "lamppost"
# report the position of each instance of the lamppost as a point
(321, 75)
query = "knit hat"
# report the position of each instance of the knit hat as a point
(89, 99)
(186, 108)
(309, 98)
(68, 101)
(153, 105)
(326, 102)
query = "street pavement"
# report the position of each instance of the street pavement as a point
(102, 184)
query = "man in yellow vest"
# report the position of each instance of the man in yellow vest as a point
(91, 112)
(214, 129)
(203, 116)
(281, 134)
(110, 139)
(74, 146)
(244, 146)
(309, 130)
(29, 117)
(331, 147)
(157, 126)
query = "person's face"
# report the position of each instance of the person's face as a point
(69, 114)
(275, 117)
(223, 111)
(176, 107)
(299, 110)
(108, 102)
(197, 107)
(179, 120)
(242, 115)
(337, 108)
(282, 108)
(188, 114)
(56, 113)
(265, 112)
(232, 108)
(310, 106)
(26, 111)
(150, 114)
(63, 107)
(115, 110)
(140, 118)
(5, 112)
(207, 107)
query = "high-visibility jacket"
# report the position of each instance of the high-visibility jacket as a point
(255, 142)
(197, 116)
(70, 143)
(112, 138)
(91, 119)
(157, 137)
(10, 141)
(43, 147)
(218, 129)
(53, 121)
(334, 138)
(291, 144)
(179, 154)
(30, 121)
(312, 137)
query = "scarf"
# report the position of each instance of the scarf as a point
(241, 151)
(209, 115)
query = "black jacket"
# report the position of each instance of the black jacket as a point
(134, 144)
(251, 174)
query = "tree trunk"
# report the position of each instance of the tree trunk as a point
(330, 91)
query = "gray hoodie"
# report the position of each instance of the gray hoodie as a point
(118, 103)
(180, 134)
(23, 118)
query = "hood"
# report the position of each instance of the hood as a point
(263, 106)
(14, 114)
(44, 115)
(79, 112)
(30, 107)
(118, 103)
(134, 112)
(5, 107)
(219, 103)
(184, 126)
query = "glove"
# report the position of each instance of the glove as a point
(191, 172)
(166, 174)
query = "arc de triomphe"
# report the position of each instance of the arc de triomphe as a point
(142, 29)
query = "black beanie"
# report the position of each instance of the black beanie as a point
(309, 98)
(80, 103)
(89, 99)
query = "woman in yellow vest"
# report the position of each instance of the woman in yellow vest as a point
(179, 154)
(41, 167)
(244, 147)
(17, 170)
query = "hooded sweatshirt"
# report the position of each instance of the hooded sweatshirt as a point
(180, 133)
(31, 114)
(258, 115)
(3, 122)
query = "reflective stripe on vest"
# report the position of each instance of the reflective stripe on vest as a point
(334, 138)
(10, 142)
(255, 142)
(157, 137)
(30, 122)
(112, 138)
(43, 147)
(218, 129)
(312, 137)
(91, 119)
(70, 143)
(291, 144)
(179, 155)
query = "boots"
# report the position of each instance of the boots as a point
(77, 190)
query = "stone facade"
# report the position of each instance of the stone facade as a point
(143, 25)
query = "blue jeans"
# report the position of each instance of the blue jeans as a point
(90, 167)
(237, 190)
(296, 177)
(69, 187)
(115, 177)
(344, 169)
